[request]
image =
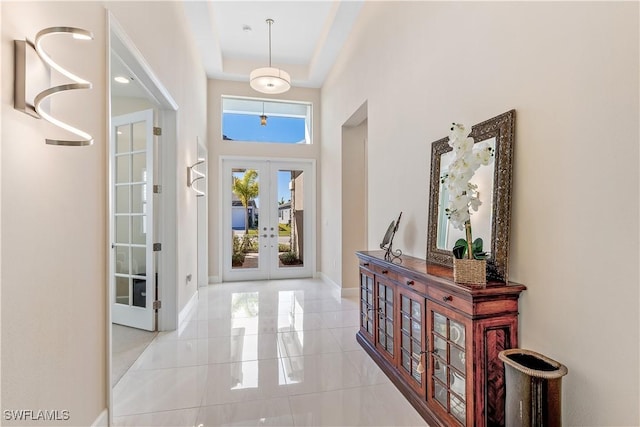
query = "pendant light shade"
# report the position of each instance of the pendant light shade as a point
(270, 79)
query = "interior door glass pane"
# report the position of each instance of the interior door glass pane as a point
(138, 198)
(122, 199)
(123, 139)
(245, 227)
(138, 230)
(139, 136)
(390, 294)
(122, 290)
(390, 345)
(122, 229)
(122, 259)
(139, 292)
(291, 211)
(139, 164)
(139, 261)
(122, 169)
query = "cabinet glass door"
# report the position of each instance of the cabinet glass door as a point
(366, 305)
(447, 361)
(385, 319)
(412, 337)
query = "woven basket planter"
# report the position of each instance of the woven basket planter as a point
(470, 271)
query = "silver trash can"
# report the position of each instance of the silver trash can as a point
(534, 389)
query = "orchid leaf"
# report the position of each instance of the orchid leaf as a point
(460, 248)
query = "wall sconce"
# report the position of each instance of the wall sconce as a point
(194, 175)
(33, 73)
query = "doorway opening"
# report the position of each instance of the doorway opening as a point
(142, 113)
(268, 219)
(354, 195)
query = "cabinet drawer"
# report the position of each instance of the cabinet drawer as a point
(449, 299)
(413, 284)
(384, 272)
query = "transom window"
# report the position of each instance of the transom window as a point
(286, 122)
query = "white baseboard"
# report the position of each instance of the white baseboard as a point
(340, 291)
(214, 279)
(102, 420)
(185, 313)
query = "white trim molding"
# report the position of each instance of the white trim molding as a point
(343, 292)
(102, 420)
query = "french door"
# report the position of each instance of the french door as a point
(132, 267)
(268, 219)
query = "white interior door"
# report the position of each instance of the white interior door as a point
(133, 269)
(268, 219)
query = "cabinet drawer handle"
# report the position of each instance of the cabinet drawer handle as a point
(447, 298)
(385, 271)
(366, 264)
(409, 282)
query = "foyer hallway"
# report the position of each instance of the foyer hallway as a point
(277, 353)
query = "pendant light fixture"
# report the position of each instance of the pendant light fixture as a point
(269, 79)
(263, 118)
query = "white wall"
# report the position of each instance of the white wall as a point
(54, 214)
(571, 72)
(218, 148)
(54, 203)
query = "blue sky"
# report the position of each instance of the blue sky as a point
(245, 127)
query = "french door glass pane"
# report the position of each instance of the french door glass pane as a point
(291, 212)
(122, 290)
(122, 260)
(123, 138)
(139, 136)
(122, 169)
(130, 200)
(122, 199)
(245, 216)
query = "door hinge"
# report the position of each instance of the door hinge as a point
(157, 131)
(157, 305)
(157, 189)
(157, 247)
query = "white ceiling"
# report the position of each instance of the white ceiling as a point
(306, 36)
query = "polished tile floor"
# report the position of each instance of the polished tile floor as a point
(274, 353)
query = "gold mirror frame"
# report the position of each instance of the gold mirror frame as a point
(502, 128)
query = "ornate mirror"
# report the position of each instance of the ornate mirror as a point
(492, 220)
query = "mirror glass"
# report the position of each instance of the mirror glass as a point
(492, 220)
(481, 220)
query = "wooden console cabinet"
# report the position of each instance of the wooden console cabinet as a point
(438, 341)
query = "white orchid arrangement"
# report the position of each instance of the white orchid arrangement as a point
(463, 195)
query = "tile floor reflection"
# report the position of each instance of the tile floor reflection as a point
(274, 353)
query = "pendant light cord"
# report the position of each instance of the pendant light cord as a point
(269, 21)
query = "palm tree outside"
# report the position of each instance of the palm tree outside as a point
(247, 189)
